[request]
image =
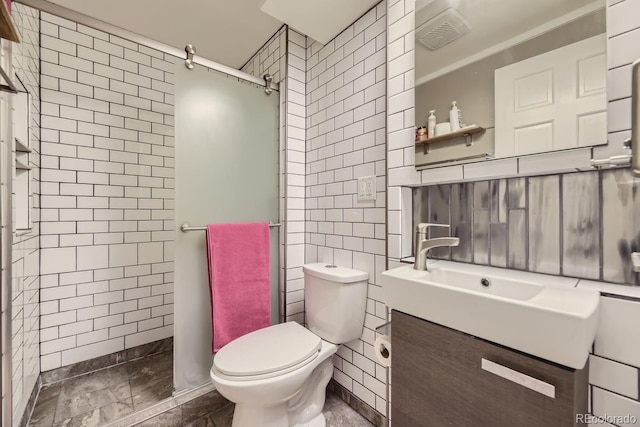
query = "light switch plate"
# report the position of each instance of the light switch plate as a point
(366, 188)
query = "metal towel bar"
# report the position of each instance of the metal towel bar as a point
(186, 227)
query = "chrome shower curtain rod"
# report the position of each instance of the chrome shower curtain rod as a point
(72, 15)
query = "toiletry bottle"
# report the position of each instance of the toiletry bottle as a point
(431, 124)
(455, 117)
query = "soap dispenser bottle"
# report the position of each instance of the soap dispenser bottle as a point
(455, 117)
(431, 124)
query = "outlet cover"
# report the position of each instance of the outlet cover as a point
(366, 188)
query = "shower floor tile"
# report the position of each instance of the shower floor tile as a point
(151, 380)
(106, 395)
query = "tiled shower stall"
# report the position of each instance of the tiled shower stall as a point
(107, 194)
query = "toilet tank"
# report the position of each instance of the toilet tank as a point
(335, 301)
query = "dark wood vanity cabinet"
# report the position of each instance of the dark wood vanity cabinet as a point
(437, 380)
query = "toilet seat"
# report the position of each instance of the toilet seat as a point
(267, 352)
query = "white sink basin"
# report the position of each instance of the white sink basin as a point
(545, 316)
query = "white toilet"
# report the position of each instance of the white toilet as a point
(277, 375)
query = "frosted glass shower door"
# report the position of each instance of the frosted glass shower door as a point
(226, 171)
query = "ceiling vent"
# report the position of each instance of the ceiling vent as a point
(442, 30)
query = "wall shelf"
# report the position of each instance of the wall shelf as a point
(22, 147)
(465, 132)
(22, 184)
(22, 166)
(8, 29)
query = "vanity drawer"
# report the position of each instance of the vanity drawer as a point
(442, 377)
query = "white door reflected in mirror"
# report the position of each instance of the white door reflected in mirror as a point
(554, 101)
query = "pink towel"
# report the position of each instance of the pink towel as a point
(239, 279)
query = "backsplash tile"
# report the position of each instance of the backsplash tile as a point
(461, 222)
(481, 195)
(546, 224)
(480, 223)
(620, 214)
(498, 245)
(480, 236)
(498, 223)
(517, 239)
(439, 214)
(581, 225)
(497, 201)
(517, 193)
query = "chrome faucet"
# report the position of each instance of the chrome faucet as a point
(423, 244)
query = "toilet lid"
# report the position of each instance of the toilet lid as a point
(267, 350)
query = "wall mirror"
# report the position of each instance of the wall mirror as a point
(528, 77)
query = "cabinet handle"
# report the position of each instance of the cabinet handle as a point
(519, 378)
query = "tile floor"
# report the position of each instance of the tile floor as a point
(106, 395)
(199, 413)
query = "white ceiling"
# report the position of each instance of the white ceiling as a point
(225, 31)
(491, 21)
(228, 32)
(318, 19)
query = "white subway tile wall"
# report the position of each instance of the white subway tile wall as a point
(25, 270)
(614, 366)
(346, 138)
(295, 172)
(270, 58)
(284, 57)
(107, 194)
(400, 117)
